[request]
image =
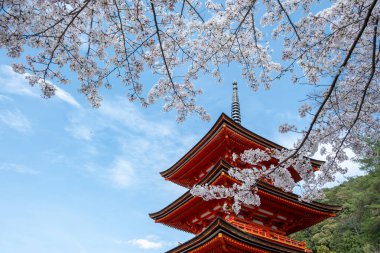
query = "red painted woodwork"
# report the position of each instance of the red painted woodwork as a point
(263, 231)
(255, 229)
(224, 138)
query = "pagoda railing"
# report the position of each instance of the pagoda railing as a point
(254, 229)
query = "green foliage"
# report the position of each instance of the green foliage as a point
(357, 227)
(372, 163)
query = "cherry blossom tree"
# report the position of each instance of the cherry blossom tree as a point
(102, 39)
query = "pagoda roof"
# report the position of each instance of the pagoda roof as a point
(174, 214)
(221, 235)
(211, 145)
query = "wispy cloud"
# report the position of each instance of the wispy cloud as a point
(287, 116)
(127, 114)
(138, 147)
(149, 242)
(287, 140)
(5, 98)
(66, 97)
(18, 168)
(14, 83)
(353, 168)
(15, 120)
(146, 244)
(80, 132)
(122, 173)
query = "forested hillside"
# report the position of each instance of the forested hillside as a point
(357, 227)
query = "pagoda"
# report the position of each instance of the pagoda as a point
(261, 228)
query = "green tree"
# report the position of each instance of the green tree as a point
(357, 227)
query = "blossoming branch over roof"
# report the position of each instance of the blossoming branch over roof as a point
(225, 137)
(185, 212)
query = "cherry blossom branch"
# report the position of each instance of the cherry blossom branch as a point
(89, 34)
(135, 89)
(58, 44)
(375, 60)
(294, 61)
(289, 19)
(233, 36)
(163, 56)
(334, 82)
(244, 18)
(256, 43)
(180, 47)
(195, 10)
(182, 8)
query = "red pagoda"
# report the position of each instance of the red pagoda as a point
(261, 228)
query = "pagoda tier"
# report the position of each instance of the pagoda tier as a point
(262, 228)
(225, 138)
(280, 213)
(221, 236)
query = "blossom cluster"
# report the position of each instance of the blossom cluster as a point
(269, 165)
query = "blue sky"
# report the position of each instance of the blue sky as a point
(82, 180)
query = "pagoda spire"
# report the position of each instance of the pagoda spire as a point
(235, 108)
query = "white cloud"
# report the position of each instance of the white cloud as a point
(119, 174)
(54, 156)
(15, 120)
(353, 170)
(126, 113)
(80, 132)
(286, 140)
(18, 168)
(5, 98)
(149, 242)
(141, 145)
(14, 83)
(146, 244)
(66, 97)
(90, 168)
(285, 116)
(122, 173)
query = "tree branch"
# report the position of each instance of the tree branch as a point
(163, 55)
(195, 10)
(372, 74)
(334, 83)
(288, 17)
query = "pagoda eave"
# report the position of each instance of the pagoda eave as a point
(177, 214)
(221, 235)
(223, 139)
